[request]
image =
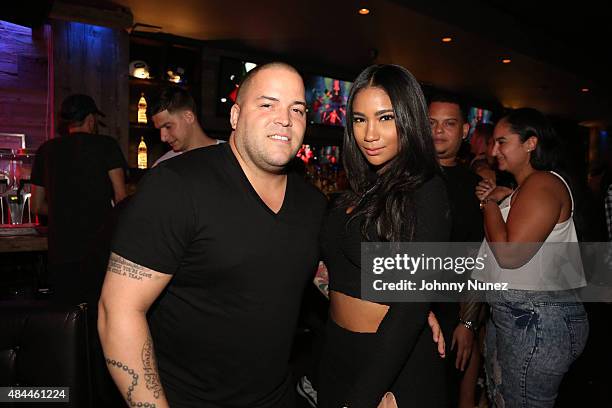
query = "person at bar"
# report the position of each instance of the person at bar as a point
(224, 240)
(449, 128)
(74, 179)
(381, 353)
(537, 327)
(485, 164)
(174, 114)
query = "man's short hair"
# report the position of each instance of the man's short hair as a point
(244, 84)
(173, 99)
(447, 97)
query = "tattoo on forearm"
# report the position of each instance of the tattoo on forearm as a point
(131, 387)
(150, 368)
(123, 267)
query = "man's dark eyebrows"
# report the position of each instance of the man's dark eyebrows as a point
(271, 98)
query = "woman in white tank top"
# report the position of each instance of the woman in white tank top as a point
(537, 327)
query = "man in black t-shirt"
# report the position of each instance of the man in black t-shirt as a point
(74, 179)
(449, 130)
(224, 242)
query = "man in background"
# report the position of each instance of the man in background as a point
(174, 114)
(74, 179)
(449, 129)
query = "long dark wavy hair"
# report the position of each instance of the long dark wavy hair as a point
(548, 154)
(388, 202)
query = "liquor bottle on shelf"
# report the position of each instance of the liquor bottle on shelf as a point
(142, 154)
(142, 109)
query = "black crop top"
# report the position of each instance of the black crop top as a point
(341, 243)
(356, 369)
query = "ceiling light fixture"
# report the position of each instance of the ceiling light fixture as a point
(364, 11)
(447, 39)
(506, 61)
(584, 90)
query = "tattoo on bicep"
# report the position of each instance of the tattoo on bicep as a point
(129, 269)
(150, 368)
(131, 387)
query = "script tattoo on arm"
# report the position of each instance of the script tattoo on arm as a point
(132, 386)
(124, 267)
(150, 368)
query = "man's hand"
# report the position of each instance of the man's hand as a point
(464, 339)
(438, 336)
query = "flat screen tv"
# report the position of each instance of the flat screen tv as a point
(326, 99)
(231, 74)
(478, 115)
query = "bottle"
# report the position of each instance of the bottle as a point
(142, 154)
(142, 109)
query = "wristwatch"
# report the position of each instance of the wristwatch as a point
(468, 324)
(483, 203)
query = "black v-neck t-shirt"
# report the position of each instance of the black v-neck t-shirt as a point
(223, 328)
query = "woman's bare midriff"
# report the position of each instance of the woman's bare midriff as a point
(354, 314)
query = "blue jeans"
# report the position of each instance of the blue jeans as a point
(532, 339)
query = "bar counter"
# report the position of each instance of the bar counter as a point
(32, 240)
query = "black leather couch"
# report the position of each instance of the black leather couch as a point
(45, 345)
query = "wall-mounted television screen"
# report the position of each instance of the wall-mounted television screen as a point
(481, 119)
(231, 74)
(326, 99)
(478, 115)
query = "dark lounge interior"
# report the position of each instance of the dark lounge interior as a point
(496, 55)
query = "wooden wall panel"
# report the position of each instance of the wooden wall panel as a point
(94, 60)
(24, 83)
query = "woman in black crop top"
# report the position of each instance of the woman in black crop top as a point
(396, 194)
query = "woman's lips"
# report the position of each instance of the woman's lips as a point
(374, 152)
